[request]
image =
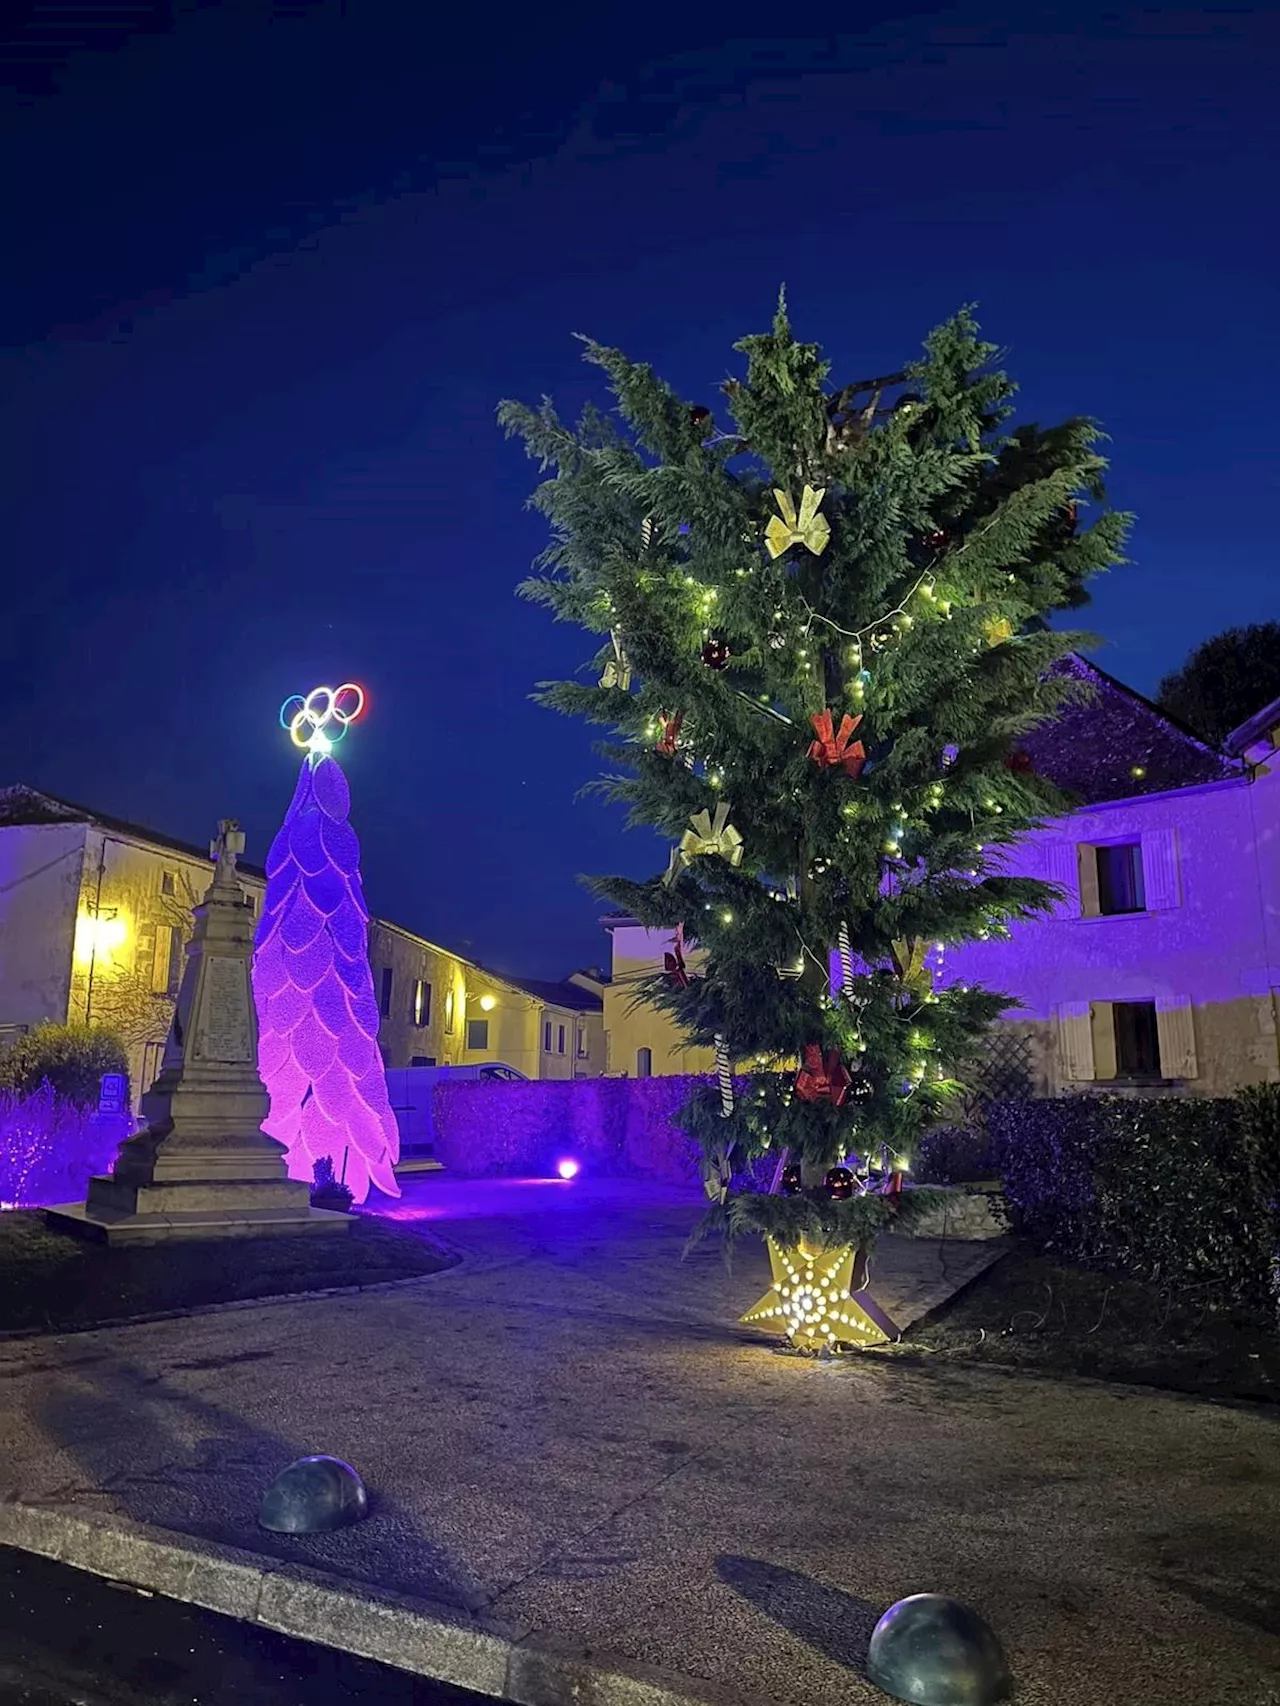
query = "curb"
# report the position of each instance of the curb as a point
(443, 1643)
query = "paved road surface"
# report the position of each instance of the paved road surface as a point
(70, 1639)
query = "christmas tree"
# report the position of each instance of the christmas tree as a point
(317, 1015)
(824, 627)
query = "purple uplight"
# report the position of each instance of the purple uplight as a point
(568, 1168)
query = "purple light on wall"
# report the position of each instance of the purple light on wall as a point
(317, 1016)
(568, 1168)
(50, 1148)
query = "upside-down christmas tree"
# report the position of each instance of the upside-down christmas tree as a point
(824, 628)
(317, 1015)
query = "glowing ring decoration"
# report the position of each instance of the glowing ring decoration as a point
(318, 722)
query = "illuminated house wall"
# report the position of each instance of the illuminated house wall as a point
(94, 912)
(1204, 946)
(639, 1035)
(439, 1009)
(317, 1011)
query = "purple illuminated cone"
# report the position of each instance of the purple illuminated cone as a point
(317, 1016)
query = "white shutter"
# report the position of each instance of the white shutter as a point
(1175, 1022)
(1062, 867)
(1160, 869)
(1075, 1040)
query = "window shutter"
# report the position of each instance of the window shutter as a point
(1175, 1022)
(1160, 869)
(1102, 1037)
(160, 959)
(1090, 885)
(1075, 1040)
(1062, 867)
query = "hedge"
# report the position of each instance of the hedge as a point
(1181, 1191)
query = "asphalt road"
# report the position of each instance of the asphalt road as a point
(71, 1639)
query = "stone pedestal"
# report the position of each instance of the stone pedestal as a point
(203, 1167)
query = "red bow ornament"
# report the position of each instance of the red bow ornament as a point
(674, 961)
(670, 730)
(831, 750)
(822, 1080)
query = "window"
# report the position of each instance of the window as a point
(546, 1036)
(1120, 884)
(168, 883)
(559, 1039)
(582, 1042)
(384, 993)
(644, 1063)
(1137, 1039)
(421, 1003)
(477, 1033)
(422, 1060)
(448, 1012)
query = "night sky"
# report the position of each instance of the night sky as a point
(270, 269)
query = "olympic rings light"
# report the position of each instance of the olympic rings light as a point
(318, 722)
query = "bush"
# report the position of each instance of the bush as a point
(50, 1148)
(327, 1190)
(956, 1155)
(71, 1058)
(1181, 1191)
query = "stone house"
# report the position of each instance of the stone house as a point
(95, 912)
(1159, 971)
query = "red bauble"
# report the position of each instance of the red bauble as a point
(1019, 763)
(716, 653)
(937, 540)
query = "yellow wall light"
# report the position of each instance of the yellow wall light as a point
(96, 936)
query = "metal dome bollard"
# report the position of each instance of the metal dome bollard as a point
(312, 1496)
(932, 1651)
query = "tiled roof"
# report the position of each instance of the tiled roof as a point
(1109, 743)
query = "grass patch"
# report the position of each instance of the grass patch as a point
(1028, 1313)
(52, 1282)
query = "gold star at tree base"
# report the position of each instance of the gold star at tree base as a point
(813, 1303)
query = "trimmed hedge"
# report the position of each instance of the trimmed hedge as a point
(1182, 1191)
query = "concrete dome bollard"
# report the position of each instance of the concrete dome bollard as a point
(312, 1496)
(932, 1651)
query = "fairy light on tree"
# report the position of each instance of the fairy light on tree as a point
(313, 988)
(833, 617)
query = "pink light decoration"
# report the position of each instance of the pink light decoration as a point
(317, 1016)
(568, 1168)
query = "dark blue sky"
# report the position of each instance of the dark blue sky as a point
(270, 269)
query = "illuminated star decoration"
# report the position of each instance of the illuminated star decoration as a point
(318, 720)
(813, 1303)
(317, 1011)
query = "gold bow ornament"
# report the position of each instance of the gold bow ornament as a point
(617, 672)
(908, 960)
(706, 836)
(997, 630)
(808, 528)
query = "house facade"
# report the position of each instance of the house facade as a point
(642, 1041)
(1160, 970)
(95, 913)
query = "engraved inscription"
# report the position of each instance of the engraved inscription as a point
(223, 1032)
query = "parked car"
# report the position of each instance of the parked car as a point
(411, 1089)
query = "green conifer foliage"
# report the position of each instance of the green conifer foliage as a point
(952, 538)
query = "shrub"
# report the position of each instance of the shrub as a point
(50, 1148)
(327, 1190)
(1181, 1191)
(956, 1155)
(72, 1059)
